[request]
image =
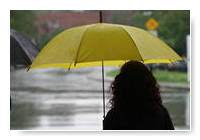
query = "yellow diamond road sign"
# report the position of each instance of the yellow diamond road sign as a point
(152, 24)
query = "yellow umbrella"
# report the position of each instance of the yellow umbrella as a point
(113, 44)
(103, 44)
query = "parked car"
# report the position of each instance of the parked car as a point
(160, 66)
(178, 66)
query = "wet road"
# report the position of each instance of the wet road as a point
(55, 99)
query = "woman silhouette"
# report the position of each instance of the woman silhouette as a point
(136, 103)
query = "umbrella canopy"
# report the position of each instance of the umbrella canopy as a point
(22, 50)
(112, 44)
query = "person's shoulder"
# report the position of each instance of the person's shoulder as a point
(108, 118)
(163, 110)
(162, 107)
(167, 119)
(110, 112)
(113, 112)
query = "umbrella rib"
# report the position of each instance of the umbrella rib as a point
(69, 66)
(133, 43)
(171, 61)
(80, 44)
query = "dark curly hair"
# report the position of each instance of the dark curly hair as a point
(136, 88)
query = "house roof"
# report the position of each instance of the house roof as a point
(51, 21)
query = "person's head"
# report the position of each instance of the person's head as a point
(135, 86)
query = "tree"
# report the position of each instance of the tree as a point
(46, 37)
(139, 19)
(23, 21)
(174, 25)
(118, 18)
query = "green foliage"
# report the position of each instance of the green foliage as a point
(174, 25)
(170, 76)
(46, 37)
(23, 21)
(118, 18)
(113, 73)
(161, 75)
(138, 19)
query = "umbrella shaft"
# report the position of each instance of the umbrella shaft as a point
(103, 90)
(100, 17)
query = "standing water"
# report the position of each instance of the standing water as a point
(55, 99)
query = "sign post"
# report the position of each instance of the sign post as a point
(152, 25)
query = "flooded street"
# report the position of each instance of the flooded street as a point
(58, 99)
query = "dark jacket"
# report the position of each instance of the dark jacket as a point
(120, 119)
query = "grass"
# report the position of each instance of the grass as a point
(161, 75)
(112, 73)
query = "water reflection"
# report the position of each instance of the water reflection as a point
(76, 111)
(39, 103)
(65, 111)
(178, 104)
(23, 116)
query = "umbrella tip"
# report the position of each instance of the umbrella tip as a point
(28, 69)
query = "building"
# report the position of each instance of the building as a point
(63, 20)
(55, 20)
